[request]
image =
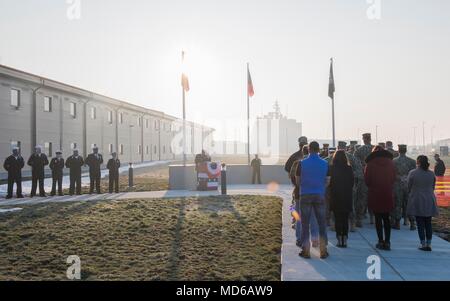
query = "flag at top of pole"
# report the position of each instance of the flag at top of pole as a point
(331, 87)
(184, 78)
(250, 90)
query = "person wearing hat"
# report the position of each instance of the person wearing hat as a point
(74, 163)
(325, 151)
(94, 161)
(403, 165)
(361, 154)
(13, 165)
(390, 148)
(113, 167)
(37, 161)
(57, 166)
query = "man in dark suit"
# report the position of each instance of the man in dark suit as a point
(94, 161)
(57, 166)
(439, 167)
(13, 165)
(113, 167)
(37, 161)
(256, 170)
(74, 163)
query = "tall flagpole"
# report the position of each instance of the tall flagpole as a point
(248, 118)
(184, 116)
(331, 90)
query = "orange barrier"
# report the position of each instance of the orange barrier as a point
(442, 190)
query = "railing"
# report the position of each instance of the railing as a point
(442, 190)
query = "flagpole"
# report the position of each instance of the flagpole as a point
(334, 133)
(332, 100)
(184, 116)
(248, 119)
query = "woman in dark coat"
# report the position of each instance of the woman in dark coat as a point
(422, 201)
(341, 195)
(379, 176)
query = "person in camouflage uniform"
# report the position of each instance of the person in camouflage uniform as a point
(361, 154)
(359, 178)
(390, 148)
(403, 165)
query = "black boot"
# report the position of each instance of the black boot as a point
(344, 241)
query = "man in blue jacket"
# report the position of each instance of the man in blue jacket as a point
(312, 173)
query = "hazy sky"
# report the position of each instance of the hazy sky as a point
(393, 72)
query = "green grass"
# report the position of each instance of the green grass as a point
(210, 238)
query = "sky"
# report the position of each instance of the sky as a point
(391, 60)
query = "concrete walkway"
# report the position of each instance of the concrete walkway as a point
(404, 262)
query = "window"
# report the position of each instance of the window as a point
(73, 110)
(139, 121)
(147, 149)
(139, 149)
(146, 123)
(15, 98)
(121, 149)
(47, 104)
(154, 149)
(120, 118)
(73, 145)
(110, 117)
(110, 148)
(156, 124)
(164, 149)
(164, 126)
(93, 113)
(15, 144)
(48, 148)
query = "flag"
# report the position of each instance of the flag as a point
(250, 90)
(184, 78)
(331, 87)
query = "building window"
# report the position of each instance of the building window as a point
(121, 149)
(15, 144)
(146, 123)
(73, 145)
(139, 121)
(110, 117)
(120, 118)
(154, 149)
(73, 110)
(156, 125)
(147, 149)
(47, 104)
(164, 149)
(139, 149)
(48, 148)
(93, 113)
(110, 148)
(15, 98)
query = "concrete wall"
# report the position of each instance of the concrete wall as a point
(181, 177)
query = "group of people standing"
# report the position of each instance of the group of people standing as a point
(338, 187)
(38, 161)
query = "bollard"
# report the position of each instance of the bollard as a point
(130, 176)
(223, 179)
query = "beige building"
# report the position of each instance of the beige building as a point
(40, 111)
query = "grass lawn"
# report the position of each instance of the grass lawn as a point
(208, 238)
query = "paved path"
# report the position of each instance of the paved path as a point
(404, 262)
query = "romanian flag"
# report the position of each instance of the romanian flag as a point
(331, 87)
(184, 78)
(250, 90)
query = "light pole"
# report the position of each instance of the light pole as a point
(376, 134)
(423, 133)
(415, 141)
(432, 142)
